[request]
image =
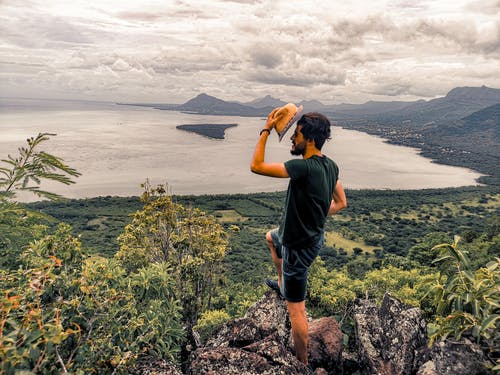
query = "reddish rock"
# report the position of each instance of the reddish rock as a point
(325, 344)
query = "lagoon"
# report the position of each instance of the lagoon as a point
(116, 148)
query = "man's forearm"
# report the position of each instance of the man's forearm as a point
(259, 152)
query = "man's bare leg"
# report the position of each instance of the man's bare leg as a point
(300, 329)
(278, 262)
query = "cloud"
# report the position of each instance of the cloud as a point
(241, 49)
(266, 59)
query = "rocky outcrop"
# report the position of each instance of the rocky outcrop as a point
(452, 358)
(260, 343)
(388, 337)
(389, 340)
(392, 340)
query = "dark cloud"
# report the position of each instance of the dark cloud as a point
(296, 78)
(392, 89)
(267, 59)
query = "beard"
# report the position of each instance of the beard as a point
(298, 149)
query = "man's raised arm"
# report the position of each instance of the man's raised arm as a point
(258, 164)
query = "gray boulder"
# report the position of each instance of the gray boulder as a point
(254, 344)
(260, 343)
(453, 358)
(388, 337)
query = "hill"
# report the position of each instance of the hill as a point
(267, 101)
(458, 103)
(459, 129)
(204, 104)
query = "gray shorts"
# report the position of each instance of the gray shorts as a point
(296, 262)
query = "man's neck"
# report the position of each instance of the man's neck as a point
(311, 151)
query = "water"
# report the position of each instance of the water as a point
(116, 148)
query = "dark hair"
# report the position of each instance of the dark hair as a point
(315, 126)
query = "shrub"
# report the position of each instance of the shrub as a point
(209, 322)
(467, 302)
(64, 311)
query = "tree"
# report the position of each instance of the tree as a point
(26, 171)
(64, 311)
(190, 242)
(424, 252)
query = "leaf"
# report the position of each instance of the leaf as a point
(489, 322)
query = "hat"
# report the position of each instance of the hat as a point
(289, 113)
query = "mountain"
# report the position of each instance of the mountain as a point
(457, 104)
(369, 108)
(312, 105)
(267, 101)
(480, 129)
(209, 105)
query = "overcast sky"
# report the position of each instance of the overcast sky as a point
(169, 51)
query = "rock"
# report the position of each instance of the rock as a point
(267, 316)
(325, 344)
(254, 344)
(235, 361)
(453, 358)
(428, 368)
(153, 366)
(388, 337)
(320, 371)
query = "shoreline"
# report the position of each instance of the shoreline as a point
(491, 189)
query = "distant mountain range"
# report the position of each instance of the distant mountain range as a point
(458, 103)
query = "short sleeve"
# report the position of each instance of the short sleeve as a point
(297, 168)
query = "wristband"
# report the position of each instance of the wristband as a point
(265, 130)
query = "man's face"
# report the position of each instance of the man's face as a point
(298, 142)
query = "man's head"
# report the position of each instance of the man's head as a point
(315, 127)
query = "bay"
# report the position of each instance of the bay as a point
(117, 147)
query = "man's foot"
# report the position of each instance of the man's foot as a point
(274, 286)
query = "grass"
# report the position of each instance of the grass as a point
(333, 239)
(228, 216)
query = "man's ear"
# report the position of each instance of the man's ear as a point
(311, 142)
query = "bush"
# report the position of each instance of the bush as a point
(210, 322)
(65, 312)
(467, 302)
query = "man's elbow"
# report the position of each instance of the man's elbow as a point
(254, 167)
(343, 205)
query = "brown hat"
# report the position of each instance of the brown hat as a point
(289, 114)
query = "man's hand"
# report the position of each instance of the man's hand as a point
(271, 120)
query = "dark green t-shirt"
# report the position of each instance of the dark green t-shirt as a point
(308, 200)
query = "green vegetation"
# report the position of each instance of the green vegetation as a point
(467, 300)
(88, 286)
(25, 172)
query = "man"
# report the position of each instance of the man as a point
(314, 192)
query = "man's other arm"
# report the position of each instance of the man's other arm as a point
(339, 200)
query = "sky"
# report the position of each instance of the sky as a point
(170, 51)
